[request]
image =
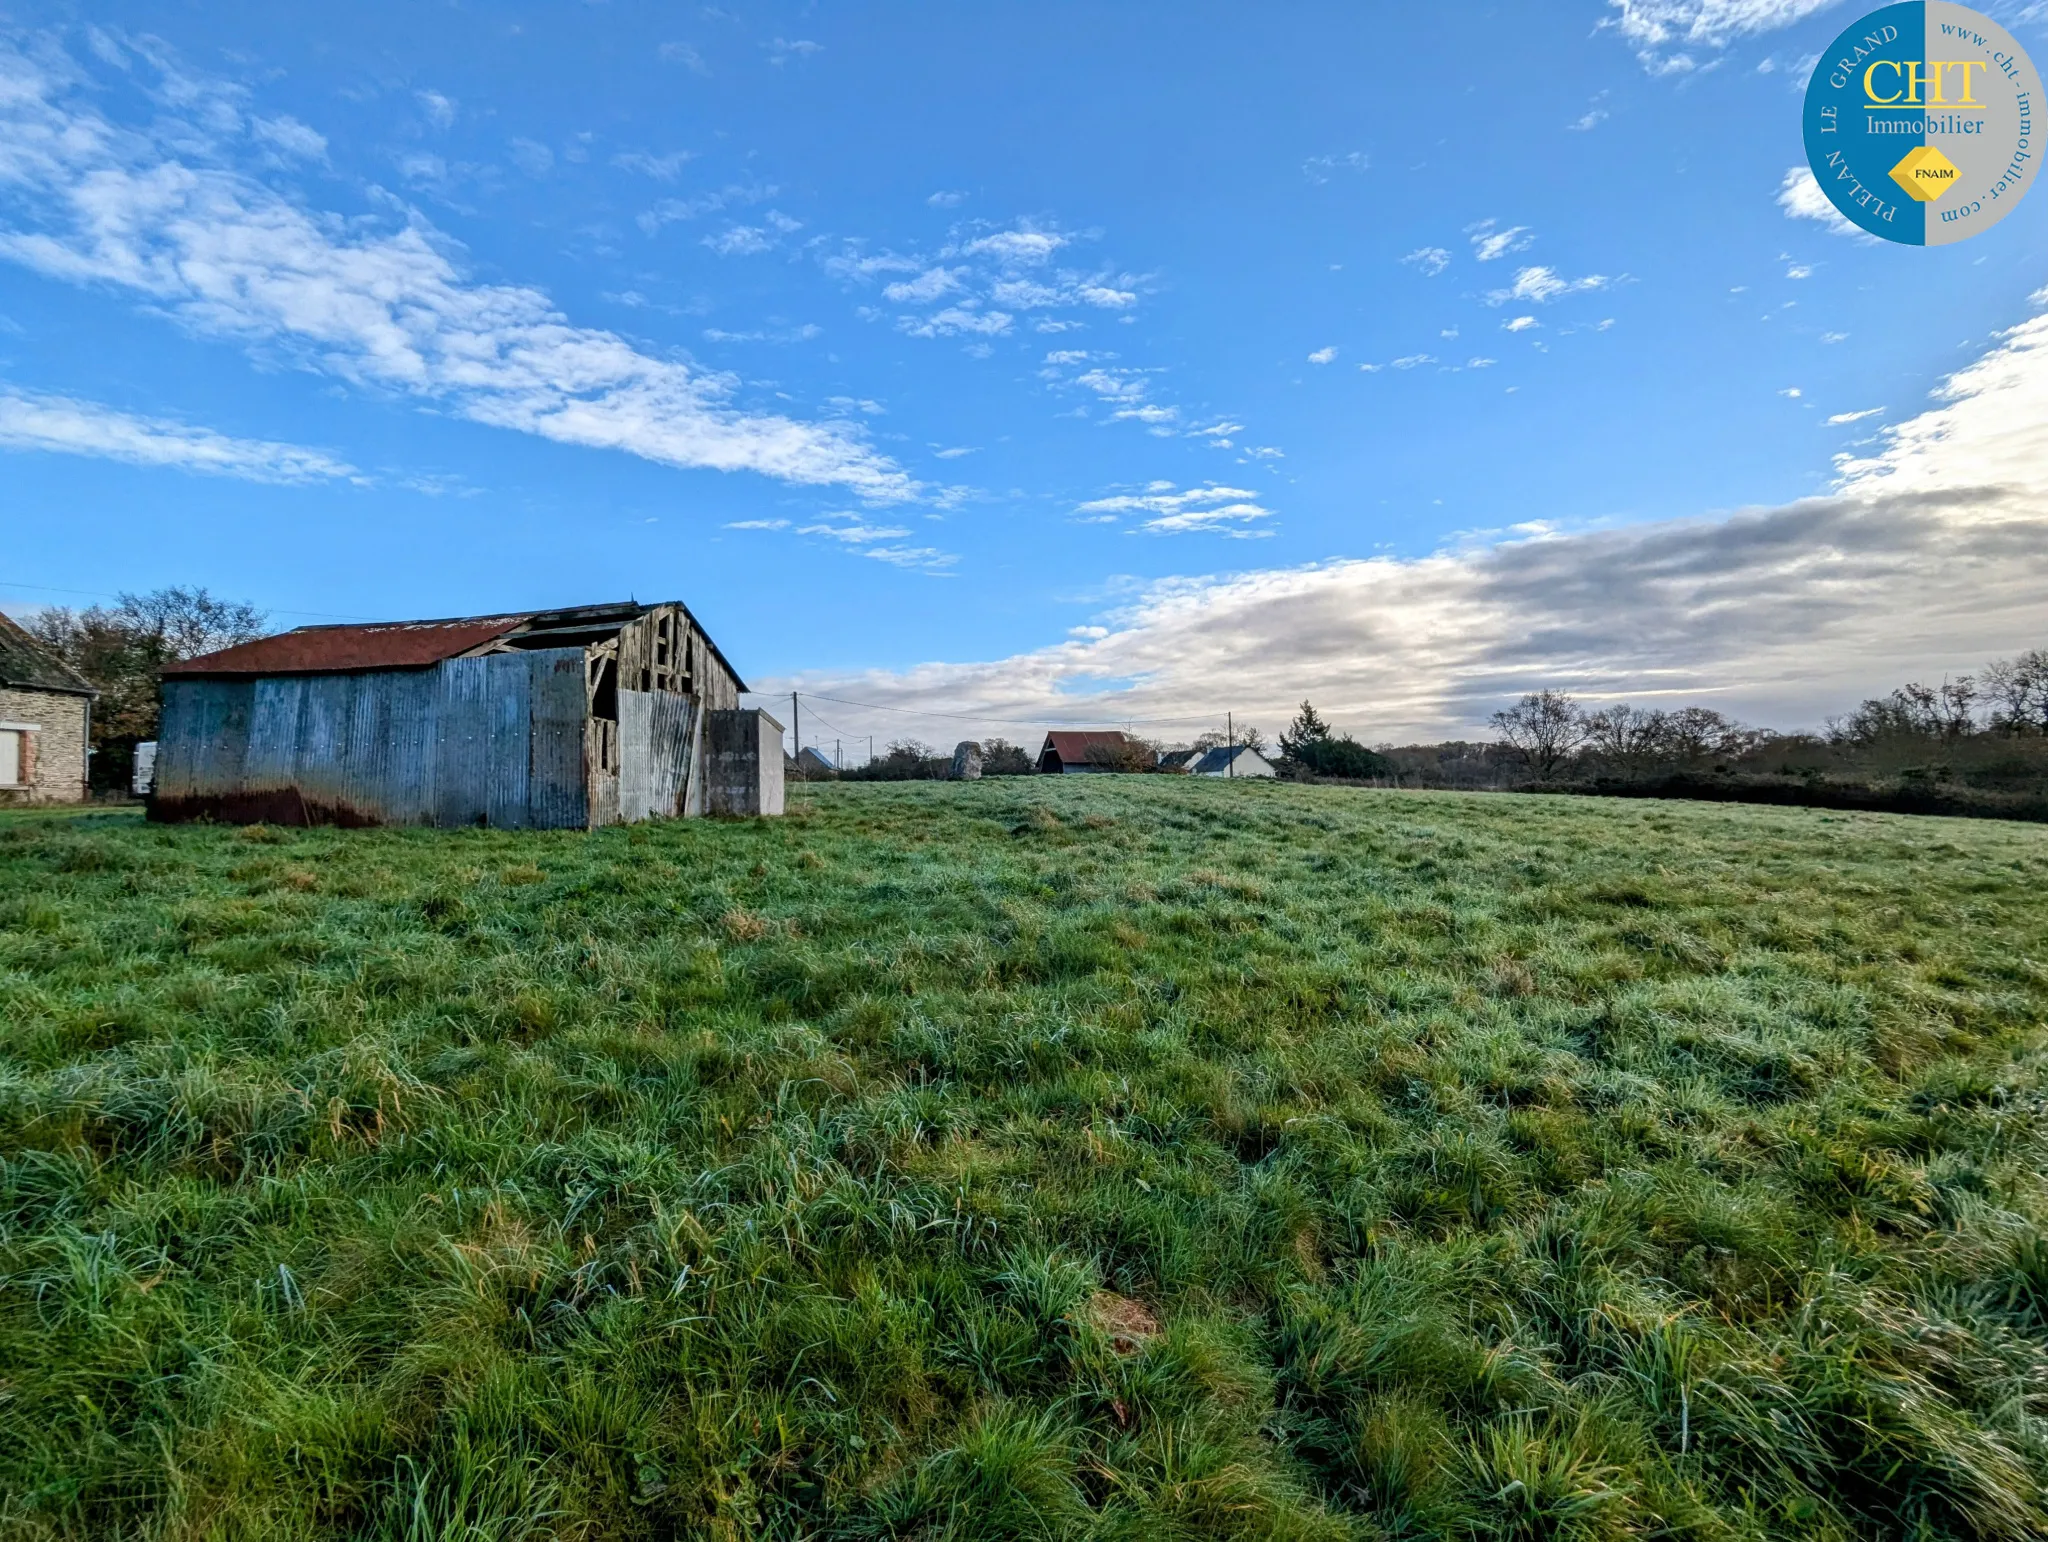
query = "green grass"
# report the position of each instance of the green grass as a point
(1109, 1158)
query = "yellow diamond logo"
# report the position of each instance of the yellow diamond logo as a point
(1925, 173)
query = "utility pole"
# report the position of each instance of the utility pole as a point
(1230, 749)
(871, 749)
(796, 719)
(838, 756)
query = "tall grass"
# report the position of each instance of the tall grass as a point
(1107, 1158)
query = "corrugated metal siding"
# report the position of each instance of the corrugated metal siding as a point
(655, 750)
(558, 796)
(495, 740)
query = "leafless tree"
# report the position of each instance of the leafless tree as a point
(120, 648)
(1625, 735)
(2016, 692)
(1543, 729)
(1694, 733)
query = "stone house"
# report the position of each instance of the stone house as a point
(45, 722)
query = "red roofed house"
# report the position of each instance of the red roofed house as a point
(543, 720)
(1067, 752)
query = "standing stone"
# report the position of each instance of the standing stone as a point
(966, 762)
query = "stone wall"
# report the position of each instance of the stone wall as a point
(53, 756)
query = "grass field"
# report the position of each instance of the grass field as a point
(1103, 1157)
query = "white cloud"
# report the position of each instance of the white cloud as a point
(925, 288)
(1800, 196)
(1793, 392)
(1799, 270)
(957, 319)
(1320, 168)
(289, 135)
(662, 168)
(1660, 28)
(946, 200)
(67, 426)
(1022, 247)
(684, 54)
(1489, 243)
(757, 524)
(751, 240)
(1480, 363)
(1542, 285)
(1146, 412)
(1121, 385)
(797, 334)
(1591, 118)
(1412, 361)
(957, 451)
(857, 533)
(1432, 260)
(1106, 296)
(875, 542)
(671, 210)
(1209, 509)
(1519, 324)
(1322, 356)
(782, 50)
(390, 309)
(1834, 337)
(439, 109)
(532, 157)
(1854, 417)
(1929, 556)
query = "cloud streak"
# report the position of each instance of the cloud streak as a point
(66, 426)
(1662, 30)
(380, 308)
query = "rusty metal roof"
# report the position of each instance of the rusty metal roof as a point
(320, 650)
(26, 663)
(1074, 744)
(327, 650)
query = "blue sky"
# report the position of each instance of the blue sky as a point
(975, 359)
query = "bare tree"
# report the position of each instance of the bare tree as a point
(120, 648)
(2016, 691)
(1543, 729)
(1694, 733)
(1946, 712)
(1626, 735)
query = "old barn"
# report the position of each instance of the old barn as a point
(540, 720)
(1067, 752)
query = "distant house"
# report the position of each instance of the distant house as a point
(812, 765)
(45, 722)
(543, 720)
(1233, 760)
(1067, 752)
(1180, 760)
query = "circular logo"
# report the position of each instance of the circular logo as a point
(1923, 123)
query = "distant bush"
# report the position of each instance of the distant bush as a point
(906, 760)
(999, 757)
(1310, 747)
